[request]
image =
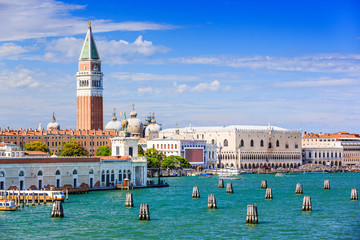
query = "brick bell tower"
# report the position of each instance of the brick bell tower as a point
(89, 87)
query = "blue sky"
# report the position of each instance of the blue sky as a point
(295, 64)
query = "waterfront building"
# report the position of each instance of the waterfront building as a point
(89, 139)
(12, 150)
(242, 146)
(195, 151)
(89, 108)
(24, 171)
(331, 149)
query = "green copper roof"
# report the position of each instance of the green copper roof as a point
(89, 50)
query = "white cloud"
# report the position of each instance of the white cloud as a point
(317, 63)
(145, 90)
(48, 18)
(19, 78)
(317, 83)
(11, 51)
(154, 77)
(68, 50)
(122, 52)
(201, 87)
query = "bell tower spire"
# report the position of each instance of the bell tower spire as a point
(89, 86)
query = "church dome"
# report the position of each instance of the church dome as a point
(152, 128)
(134, 124)
(124, 123)
(114, 124)
(53, 125)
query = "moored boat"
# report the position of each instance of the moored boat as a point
(38, 194)
(7, 205)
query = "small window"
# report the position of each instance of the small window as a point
(241, 143)
(226, 143)
(40, 173)
(251, 143)
(270, 145)
(57, 172)
(261, 143)
(21, 174)
(91, 171)
(277, 143)
(296, 145)
(213, 141)
(75, 172)
(287, 145)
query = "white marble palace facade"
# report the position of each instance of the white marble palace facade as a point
(25, 171)
(248, 147)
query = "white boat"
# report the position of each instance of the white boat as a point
(7, 205)
(48, 195)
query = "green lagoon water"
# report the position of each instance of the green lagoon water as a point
(175, 215)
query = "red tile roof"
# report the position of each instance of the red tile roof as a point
(36, 153)
(338, 135)
(116, 158)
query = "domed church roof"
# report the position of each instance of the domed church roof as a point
(114, 124)
(153, 127)
(134, 124)
(53, 125)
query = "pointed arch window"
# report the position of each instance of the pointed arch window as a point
(57, 172)
(242, 143)
(75, 172)
(277, 143)
(226, 143)
(21, 173)
(251, 143)
(270, 145)
(261, 143)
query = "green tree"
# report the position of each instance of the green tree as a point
(103, 151)
(141, 151)
(72, 149)
(175, 162)
(152, 162)
(152, 154)
(36, 146)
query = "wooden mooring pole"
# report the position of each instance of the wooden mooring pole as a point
(144, 212)
(221, 183)
(263, 184)
(129, 202)
(211, 201)
(354, 194)
(57, 210)
(268, 194)
(252, 214)
(307, 203)
(326, 184)
(195, 192)
(299, 189)
(229, 188)
(33, 199)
